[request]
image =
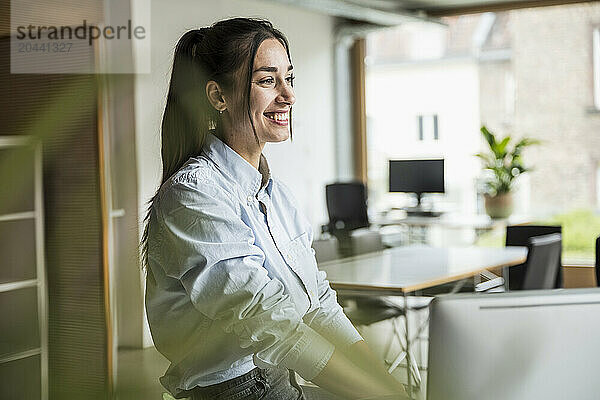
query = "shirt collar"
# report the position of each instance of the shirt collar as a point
(243, 173)
(265, 172)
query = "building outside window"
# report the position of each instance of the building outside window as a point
(596, 65)
(528, 72)
(428, 127)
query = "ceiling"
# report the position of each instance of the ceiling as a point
(395, 12)
(453, 7)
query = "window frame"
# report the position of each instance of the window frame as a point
(596, 66)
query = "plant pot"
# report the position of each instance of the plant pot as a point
(499, 206)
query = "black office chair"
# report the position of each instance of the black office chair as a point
(519, 235)
(543, 260)
(347, 209)
(347, 206)
(598, 261)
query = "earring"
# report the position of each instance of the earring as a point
(221, 111)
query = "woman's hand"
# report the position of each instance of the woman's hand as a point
(357, 374)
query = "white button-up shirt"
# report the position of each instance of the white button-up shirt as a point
(232, 280)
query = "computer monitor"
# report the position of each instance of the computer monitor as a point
(417, 176)
(521, 346)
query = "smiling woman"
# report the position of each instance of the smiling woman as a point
(268, 104)
(234, 298)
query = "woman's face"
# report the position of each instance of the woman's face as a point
(271, 94)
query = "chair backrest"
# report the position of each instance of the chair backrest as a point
(598, 261)
(347, 206)
(366, 241)
(325, 249)
(519, 235)
(542, 261)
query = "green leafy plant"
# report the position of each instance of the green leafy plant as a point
(503, 161)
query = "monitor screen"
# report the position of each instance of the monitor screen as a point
(417, 176)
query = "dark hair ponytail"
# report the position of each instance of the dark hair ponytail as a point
(201, 55)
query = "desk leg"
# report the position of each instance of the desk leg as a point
(408, 354)
(505, 276)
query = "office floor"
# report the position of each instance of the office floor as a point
(138, 370)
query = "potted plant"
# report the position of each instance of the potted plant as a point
(504, 163)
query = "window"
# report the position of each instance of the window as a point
(596, 58)
(428, 127)
(598, 187)
(489, 73)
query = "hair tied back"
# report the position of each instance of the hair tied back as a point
(188, 43)
(199, 35)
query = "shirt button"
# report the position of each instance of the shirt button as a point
(249, 199)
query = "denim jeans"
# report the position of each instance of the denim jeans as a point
(258, 384)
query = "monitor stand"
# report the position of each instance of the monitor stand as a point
(419, 211)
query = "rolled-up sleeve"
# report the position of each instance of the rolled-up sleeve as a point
(213, 253)
(329, 318)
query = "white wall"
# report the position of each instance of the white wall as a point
(307, 163)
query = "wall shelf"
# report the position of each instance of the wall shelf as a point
(22, 305)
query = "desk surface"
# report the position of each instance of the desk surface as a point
(449, 220)
(406, 269)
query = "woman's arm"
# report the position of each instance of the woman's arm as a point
(361, 355)
(357, 374)
(332, 323)
(212, 253)
(353, 371)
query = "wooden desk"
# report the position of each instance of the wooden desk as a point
(579, 276)
(403, 270)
